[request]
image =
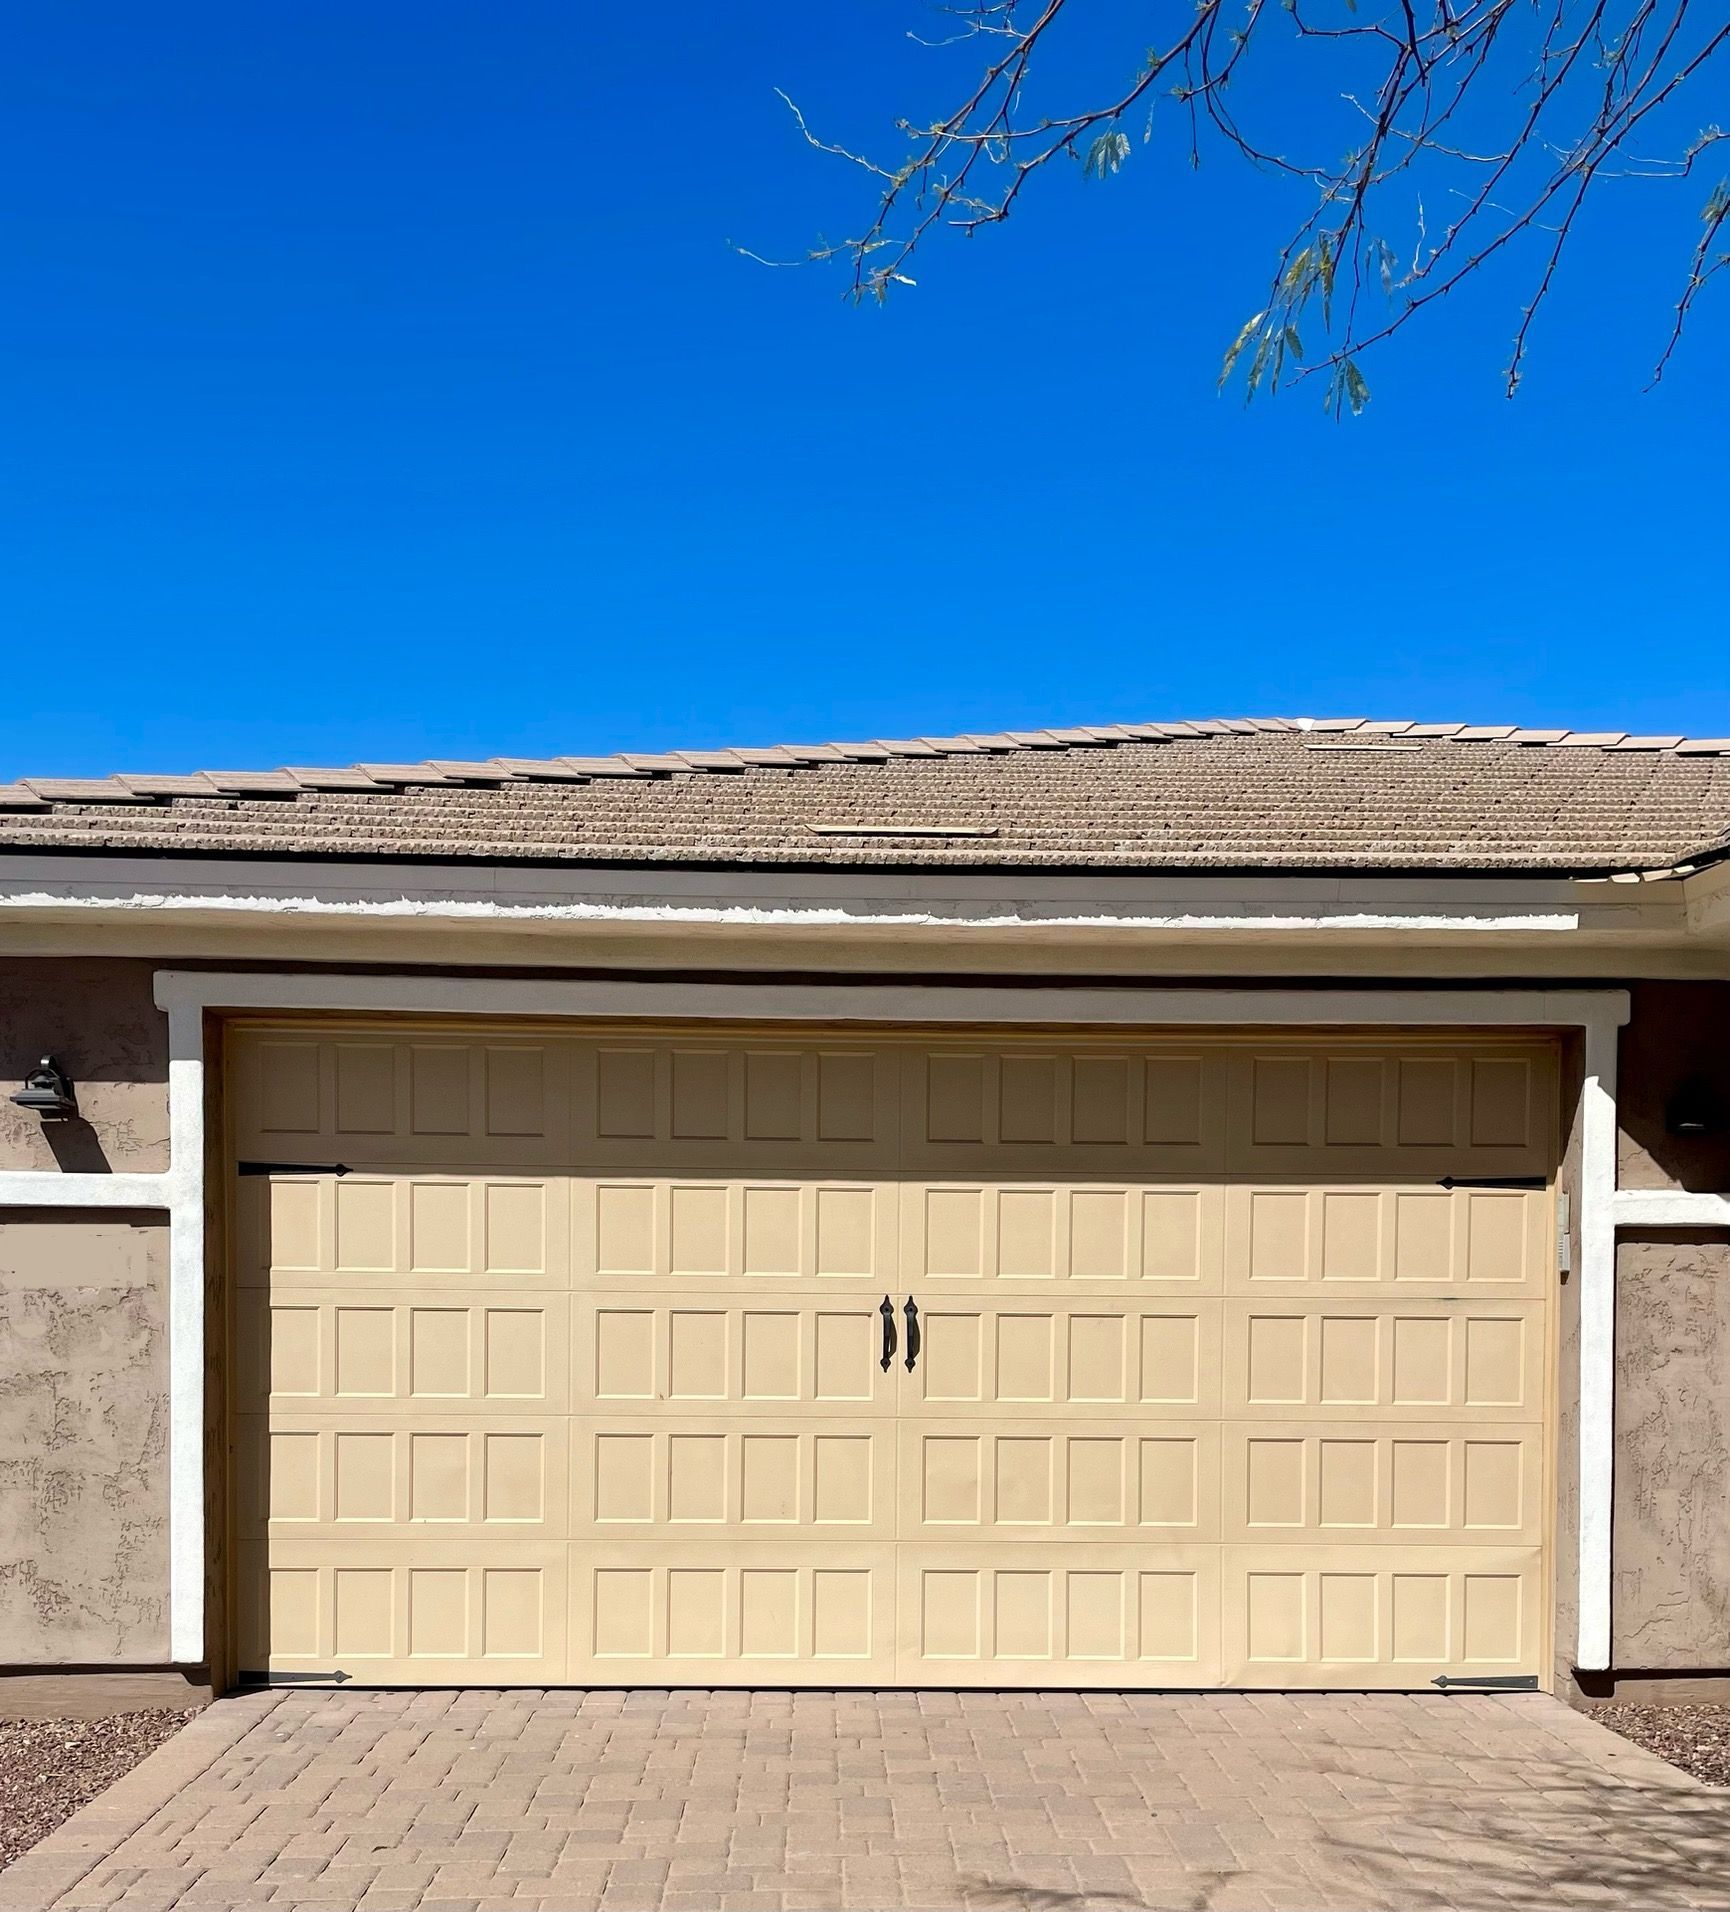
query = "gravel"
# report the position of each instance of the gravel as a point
(1696, 1738)
(51, 1767)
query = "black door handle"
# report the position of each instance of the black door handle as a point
(912, 1314)
(887, 1311)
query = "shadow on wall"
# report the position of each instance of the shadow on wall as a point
(1677, 1033)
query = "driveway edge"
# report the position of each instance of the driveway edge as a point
(93, 1833)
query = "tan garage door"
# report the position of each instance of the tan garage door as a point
(1201, 1374)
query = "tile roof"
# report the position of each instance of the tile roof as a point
(1223, 793)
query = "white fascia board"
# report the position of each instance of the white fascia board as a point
(1670, 1208)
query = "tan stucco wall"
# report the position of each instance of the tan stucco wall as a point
(1676, 1030)
(83, 1439)
(99, 1022)
(1671, 1590)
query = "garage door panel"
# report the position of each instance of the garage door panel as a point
(1391, 1111)
(1407, 1240)
(453, 1613)
(695, 1353)
(1423, 1361)
(1380, 1617)
(728, 1480)
(766, 1613)
(1050, 1616)
(388, 1352)
(1020, 1110)
(1300, 1484)
(1083, 1359)
(631, 1230)
(1165, 1237)
(1024, 1480)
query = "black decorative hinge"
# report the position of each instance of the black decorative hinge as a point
(1492, 1181)
(291, 1168)
(337, 1678)
(1489, 1682)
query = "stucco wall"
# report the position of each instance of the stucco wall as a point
(1675, 1030)
(83, 1439)
(97, 1019)
(1672, 1522)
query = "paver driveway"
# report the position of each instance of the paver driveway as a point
(572, 1800)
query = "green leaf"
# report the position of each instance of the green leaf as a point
(1237, 345)
(1107, 154)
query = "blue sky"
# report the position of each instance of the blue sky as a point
(376, 382)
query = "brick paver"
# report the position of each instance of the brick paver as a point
(653, 1801)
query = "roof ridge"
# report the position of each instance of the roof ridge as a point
(40, 793)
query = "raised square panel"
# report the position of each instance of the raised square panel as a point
(1280, 1101)
(1170, 1358)
(1420, 1484)
(1421, 1361)
(949, 1614)
(698, 1367)
(1353, 1093)
(773, 1095)
(363, 1476)
(293, 1605)
(1346, 1484)
(438, 1471)
(1347, 1603)
(1094, 1615)
(516, 1354)
(511, 1613)
(293, 1351)
(516, 1091)
(288, 1088)
(1426, 1101)
(1492, 1496)
(841, 1479)
(768, 1613)
(1096, 1481)
(841, 1614)
(624, 1479)
(1495, 1359)
(771, 1231)
(699, 1230)
(438, 1215)
(365, 1226)
(843, 1357)
(1491, 1622)
(1167, 1615)
(771, 1355)
(1274, 1483)
(1099, 1100)
(365, 1351)
(1098, 1234)
(1169, 1482)
(769, 1475)
(438, 1352)
(951, 1364)
(1171, 1102)
(1420, 1616)
(846, 1098)
(1027, 1234)
(696, 1613)
(1022, 1615)
(363, 1612)
(1171, 1235)
(1276, 1359)
(1351, 1237)
(624, 1230)
(699, 1095)
(292, 1232)
(1423, 1236)
(1024, 1478)
(624, 1354)
(1495, 1238)
(1348, 1359)
(516, 1228)
(1027, 1099)
(1501, 1102)
(624, 1613)
(954, 1227)
(625, 1094)
(697, 1477)
(1274, 1612)
(514, 1485)
(293, 1485)
(846, 1239)
(955, 1098)
(439, 1088)
(950, 1468)
(1278, 1235)
(1098, 1358)
(365, 1088)
(438, 1613)
(1026, 1357)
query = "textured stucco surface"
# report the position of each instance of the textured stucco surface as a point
(1675, 1031)
(83, 1439)
(98, 1020)
(1672, 1534)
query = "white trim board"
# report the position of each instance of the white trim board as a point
(1670, 1208)
(186, 995)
